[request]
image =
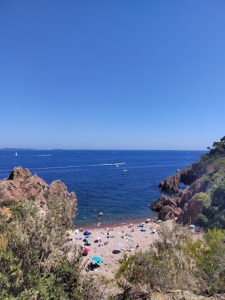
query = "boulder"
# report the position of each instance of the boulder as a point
(162, 201)
(21, 184)
(168, 213)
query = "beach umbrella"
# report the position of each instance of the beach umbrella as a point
(86, 250)
(143, 229)
(76, 230)
(119, 245)
(159, 221)
(69, 231)
(97, 259)
(192, 226)
(87, 233)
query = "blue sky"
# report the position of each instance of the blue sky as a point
(112, 74)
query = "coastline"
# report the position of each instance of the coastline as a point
(116, 223)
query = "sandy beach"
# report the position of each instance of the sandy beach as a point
(125, 239)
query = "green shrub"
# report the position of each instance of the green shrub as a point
(213, 213)
(216, 175)
(33, 265)
(164, 266)
(220, 162)
(175, 261)
(202, 220)
(202, 197)
(206, 179)
(209, 258)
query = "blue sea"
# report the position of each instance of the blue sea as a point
(98, 179)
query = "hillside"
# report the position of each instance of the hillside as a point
(202, 201)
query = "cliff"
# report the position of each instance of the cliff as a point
(202, 179)
(21, 185)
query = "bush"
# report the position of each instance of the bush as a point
(202, 197)
(32, 264)
(176, 262)
(209, 258)
(220, 162)
(213, 213)
(164, 266)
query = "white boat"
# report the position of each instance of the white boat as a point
(125, 170)
(16, 154)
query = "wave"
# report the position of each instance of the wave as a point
(81, 166)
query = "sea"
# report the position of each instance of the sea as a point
(121, 184)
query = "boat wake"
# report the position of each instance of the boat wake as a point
(43, 155)
(80, 166)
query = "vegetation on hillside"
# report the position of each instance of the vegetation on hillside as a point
(213, 213)
(34, 260)
(213, 200)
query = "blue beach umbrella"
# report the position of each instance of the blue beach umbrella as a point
(97, 259)
(87, 233)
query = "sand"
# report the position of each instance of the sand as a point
(127, 238)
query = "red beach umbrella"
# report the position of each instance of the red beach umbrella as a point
(86, 250)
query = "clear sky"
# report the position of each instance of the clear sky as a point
(111, 74)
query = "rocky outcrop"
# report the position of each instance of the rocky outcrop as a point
(199, 177)
(21, 184)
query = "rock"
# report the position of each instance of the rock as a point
(171, 184)
(21, 184)
(168, 207)
(190, 212)
(162, 201)
(169, 213)
(200, 177)
(187, 176)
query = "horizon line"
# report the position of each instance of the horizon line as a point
(83, 149)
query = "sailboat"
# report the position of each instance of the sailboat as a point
(16, 154)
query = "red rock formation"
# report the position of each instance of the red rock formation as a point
(21, 184)
(200, 179)
(171, 184)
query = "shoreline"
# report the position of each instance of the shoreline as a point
(117, 223)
